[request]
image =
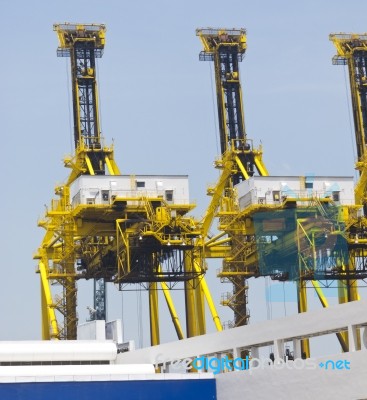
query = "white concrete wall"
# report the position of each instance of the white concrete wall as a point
(75, 373)
(57, 350)
(114, 331)
(313, 323)
(300, 384)
(92, 330)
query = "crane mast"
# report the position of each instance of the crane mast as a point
(226, 52)
(226, 48)
(83, 53)
(239, 161)
(84, 43)
(244, 242)
(352, 51)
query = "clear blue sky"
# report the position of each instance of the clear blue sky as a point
(157, 104)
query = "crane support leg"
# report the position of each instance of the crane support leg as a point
(348, 291)
(45, 320)
(260, 166)
(172, 310)
(112, 166)
(190, 304)
(154, 314)
(48, 311)
(200, 306)
(325, 304)
(212, 308)
(302, 307)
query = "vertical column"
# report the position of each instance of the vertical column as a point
(154, 314)
(191, 315)
(297, 351)
(278, 349)
(302, 307)
(354, 339)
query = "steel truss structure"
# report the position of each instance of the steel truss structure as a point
(239, 242)
(238, 161)
(132, 237)
(145, 239)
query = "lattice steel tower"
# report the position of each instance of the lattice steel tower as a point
(239, 161)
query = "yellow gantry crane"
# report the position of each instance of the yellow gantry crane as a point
(239, 161)
(109, 227)
(129, 229)
(303, 236)
(83, 43)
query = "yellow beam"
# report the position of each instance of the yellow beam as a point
(302, 307)
(237, 273)
(215, 238)
(154, 314)
(217, 195)
(200, 306)
(191, 314)
(51, 317)
(218, 243)
(172, 310)
(260, 166)
(109, 166)
(320, 294)
(241, 167)
(212, 308)
(45, 323)
(89, 165)
(325, 304)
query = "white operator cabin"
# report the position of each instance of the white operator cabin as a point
(174, 189)
(274, 189)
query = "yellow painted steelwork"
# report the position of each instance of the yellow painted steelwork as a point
(129, 238)
(48, 312)
(132, 238)
(238, 162)
(83, 43)
(352, 51)
(172, 310)
(154, 314)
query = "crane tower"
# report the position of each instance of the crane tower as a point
(83, 44)
(352, 51)
(300, 229)
(123, 229)
(238, 162)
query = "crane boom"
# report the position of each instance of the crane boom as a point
(84, 43)
(352, 51)
(227, 47)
